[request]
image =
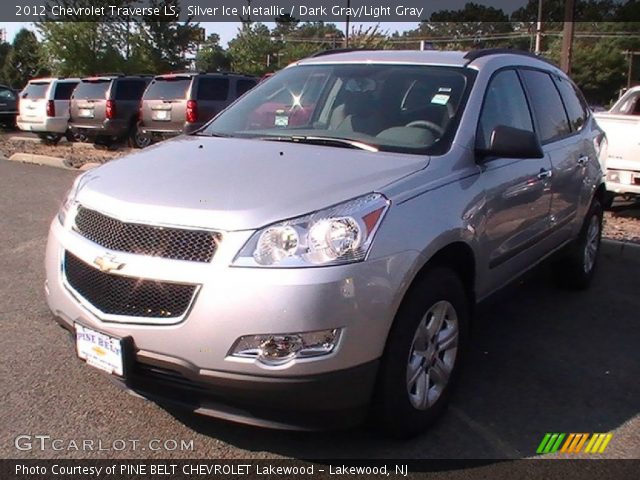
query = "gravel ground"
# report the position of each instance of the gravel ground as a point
(75, 155)
(621, 223)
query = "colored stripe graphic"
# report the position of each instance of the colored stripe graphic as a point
(574, 443)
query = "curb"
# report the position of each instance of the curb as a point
(616, 248)
(40, 160)
(17, 139)
(49, 161)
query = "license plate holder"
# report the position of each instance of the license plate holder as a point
(106, 352)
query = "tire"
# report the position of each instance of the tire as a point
(607, 200)
(50, 138)
(137, 139)
(400, 407)
(576, 268)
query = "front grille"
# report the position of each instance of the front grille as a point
(127, 296)
(166, 242)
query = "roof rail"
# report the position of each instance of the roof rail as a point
(322, 53)
(472, 55)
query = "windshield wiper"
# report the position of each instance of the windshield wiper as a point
(332, 141)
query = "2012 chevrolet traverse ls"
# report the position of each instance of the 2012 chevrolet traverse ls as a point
(314, 253)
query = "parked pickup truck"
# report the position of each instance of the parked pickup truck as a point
(622, 163)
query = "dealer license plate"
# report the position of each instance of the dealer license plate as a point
(100, 350)
(163, 115)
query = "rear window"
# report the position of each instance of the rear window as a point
(93, 89)
(213, 89)
(168, 88)
(64, 90)
(244, 86)
(130, 89)
(35, 91)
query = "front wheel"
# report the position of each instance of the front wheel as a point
(50, 138)
(423, 354)
(576, 269)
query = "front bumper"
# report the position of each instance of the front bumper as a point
(48, 125)
(359, 298)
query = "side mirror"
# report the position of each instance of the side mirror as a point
(509, 142)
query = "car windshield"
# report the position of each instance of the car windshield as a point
(35, 91)
(403, 108)
(167, 88)
(91, 89)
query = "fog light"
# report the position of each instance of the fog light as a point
(276, 349)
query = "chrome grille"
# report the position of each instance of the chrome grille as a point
(127, 296)
(156, 241)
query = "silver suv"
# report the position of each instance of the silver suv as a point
(315, 253)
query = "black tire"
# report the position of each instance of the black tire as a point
(577, 265)
(50, 138)
(394, 407)
(137, 139)
(607, 200)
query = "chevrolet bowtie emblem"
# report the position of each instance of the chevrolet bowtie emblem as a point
(107, 263)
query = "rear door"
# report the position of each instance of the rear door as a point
(62, 97)
(164, 103)
(33, 101)
(212, 94)
(88, 102)
(127, 96)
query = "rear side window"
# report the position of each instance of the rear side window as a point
(547, 106)
(92, 89)
(162, 88)
(130, 89)
(576, 109)
(504, 104)
(243, 86)
(64, 90)
(35, 91)
(7, 95)
(213, 88)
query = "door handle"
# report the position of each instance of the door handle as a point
(582, 161)
(545, 174)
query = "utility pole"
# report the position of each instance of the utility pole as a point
(567, 36)
(346, 33)
(539, 29)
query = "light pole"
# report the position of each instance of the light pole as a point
(567, 36)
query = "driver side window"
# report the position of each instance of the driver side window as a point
(504, 104)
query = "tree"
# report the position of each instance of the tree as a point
(251, 49)
(211, 56)
(24, 61)
(5, 49)
(164, 45)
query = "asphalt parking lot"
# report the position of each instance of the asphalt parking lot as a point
(541, 360)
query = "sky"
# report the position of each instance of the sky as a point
(228, 30)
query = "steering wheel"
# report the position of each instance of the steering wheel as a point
(428, 125)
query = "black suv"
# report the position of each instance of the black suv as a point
(106, 109)
(184, 102)
(8, 106)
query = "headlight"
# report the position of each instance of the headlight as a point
(336, 235)
(277, 349)
(70, 198)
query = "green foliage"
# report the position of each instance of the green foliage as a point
(250, 49)
(211, 56)
(24, 61)
(5, 49)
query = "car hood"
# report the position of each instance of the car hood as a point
(236, 184)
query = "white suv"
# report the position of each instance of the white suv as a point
(44, 107)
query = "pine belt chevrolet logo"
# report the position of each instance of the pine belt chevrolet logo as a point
(574, 443)
(107, 263)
